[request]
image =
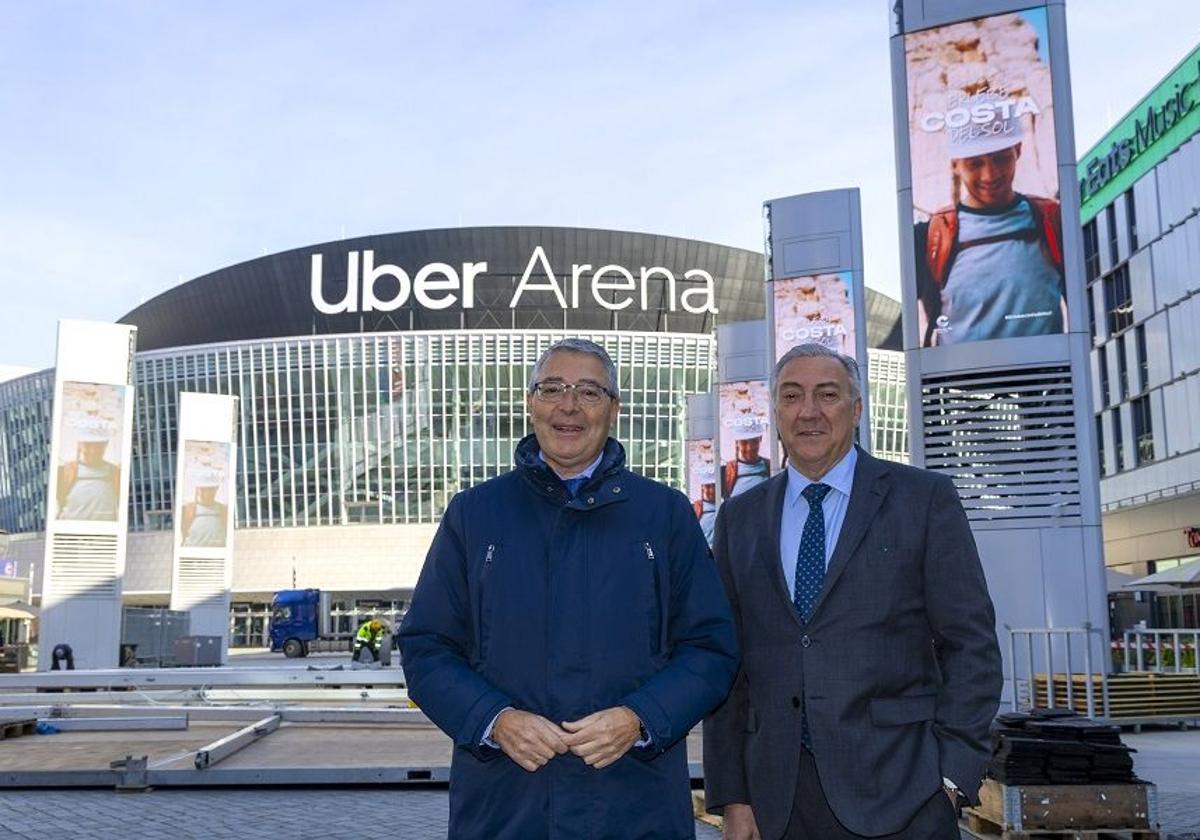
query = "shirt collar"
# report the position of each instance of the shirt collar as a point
(840, 477)
(586, 472)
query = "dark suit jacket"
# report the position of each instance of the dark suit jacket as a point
(898, 665)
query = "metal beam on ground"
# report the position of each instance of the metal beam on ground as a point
(142, 678)
(219, 750)
(115, 724)
(327, 695)
(292, 714)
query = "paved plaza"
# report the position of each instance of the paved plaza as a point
(1169, 758)
(344, 814)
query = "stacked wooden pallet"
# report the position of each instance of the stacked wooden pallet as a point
(1135, 695)
(1063, 812)
(16, 728)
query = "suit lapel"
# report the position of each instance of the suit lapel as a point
(776, 495)
(866, 495)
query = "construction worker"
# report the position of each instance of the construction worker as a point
(370, 636)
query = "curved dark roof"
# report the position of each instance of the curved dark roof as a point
(270, 297)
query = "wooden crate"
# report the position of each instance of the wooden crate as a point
(1017, 812)
(986, 830)
(16, 728)
(1135, 695)
(700, 813)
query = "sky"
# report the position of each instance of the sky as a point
(148, 143)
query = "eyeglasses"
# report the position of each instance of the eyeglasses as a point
(586, 392)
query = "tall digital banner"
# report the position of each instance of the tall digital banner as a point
(815, 287)
(746, 436)
(205, 490)
(995, 332)
(987, 232)
(745, 439)
(701, 462)
(88, 495)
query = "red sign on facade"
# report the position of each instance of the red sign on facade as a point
(1193, 537)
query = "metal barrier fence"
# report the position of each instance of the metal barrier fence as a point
(1057, 646)
(1145, 647)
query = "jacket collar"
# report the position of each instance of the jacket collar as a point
(605, 486)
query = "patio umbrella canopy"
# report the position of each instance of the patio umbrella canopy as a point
(1183, 576)
(18, 609)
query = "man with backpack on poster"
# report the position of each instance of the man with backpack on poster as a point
(990, 265)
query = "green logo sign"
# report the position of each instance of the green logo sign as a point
(1158, 119)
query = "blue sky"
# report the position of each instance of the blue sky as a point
(146, 143)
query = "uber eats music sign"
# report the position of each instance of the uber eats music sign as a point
(1154, 128)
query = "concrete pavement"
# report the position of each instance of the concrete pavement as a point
(1168, 757)
(349, 814)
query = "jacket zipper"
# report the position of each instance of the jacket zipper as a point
(659, 623)
(490, 553)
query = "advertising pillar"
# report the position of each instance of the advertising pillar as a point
(815, 290)
(205, 486)
(87, 500)
(995, 327)
(701, 462)
(745, 438)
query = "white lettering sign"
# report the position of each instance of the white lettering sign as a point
(438, 285)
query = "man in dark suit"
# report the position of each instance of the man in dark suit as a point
(870, 669)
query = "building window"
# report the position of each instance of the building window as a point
(1091, 313)
(1143, 431)
(1104, 389)
(1118, 300)
(1100, 440)
(1091, 250)
(1142, 363)
(1122, 368)
(1118, 439)
(1110, 215)
(1131, 220)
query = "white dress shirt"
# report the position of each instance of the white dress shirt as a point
(795, 512)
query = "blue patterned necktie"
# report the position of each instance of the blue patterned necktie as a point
(573, 484)
(810, 560)
(810, 573)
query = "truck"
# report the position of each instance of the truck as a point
(300, 624)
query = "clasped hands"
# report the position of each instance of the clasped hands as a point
(599, 738)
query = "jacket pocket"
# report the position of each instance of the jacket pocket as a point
(898, 711)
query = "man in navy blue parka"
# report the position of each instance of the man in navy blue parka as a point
(568, 629)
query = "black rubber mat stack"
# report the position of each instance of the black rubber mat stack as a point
(1058, 747)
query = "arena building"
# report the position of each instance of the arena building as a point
(378, 376)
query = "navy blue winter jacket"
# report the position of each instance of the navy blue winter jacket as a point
(563, 607)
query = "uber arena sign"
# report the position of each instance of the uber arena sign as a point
(440, 285)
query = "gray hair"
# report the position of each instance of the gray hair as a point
(578, 345)
(819, 351)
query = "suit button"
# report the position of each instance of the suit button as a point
(795, 702)
(805, 641)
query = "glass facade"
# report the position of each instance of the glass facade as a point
(1145, 283)
(889, 408)
(380, 428)
(339, 430)
(24, 450)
